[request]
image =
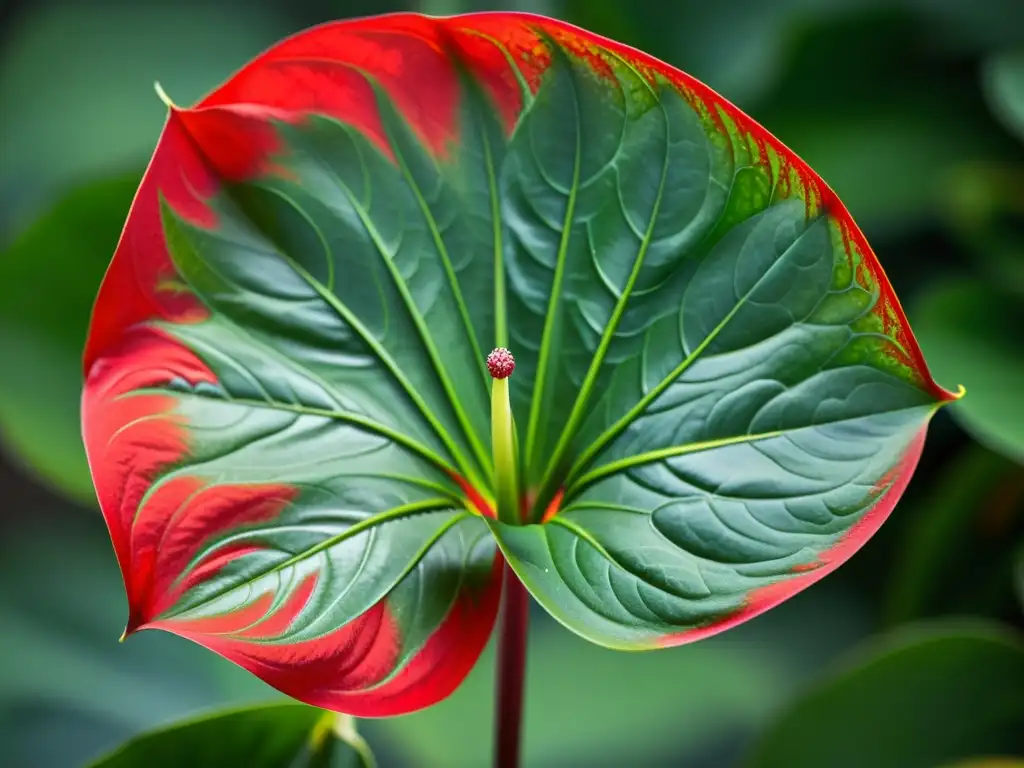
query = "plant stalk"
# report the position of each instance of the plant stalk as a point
(515, 621)
(503, 444)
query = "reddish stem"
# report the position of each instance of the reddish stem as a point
(515, 621)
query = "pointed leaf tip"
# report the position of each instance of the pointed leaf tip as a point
(162, 94)
(501, 363)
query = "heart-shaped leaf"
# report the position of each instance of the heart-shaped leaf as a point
(275, 736)
(717, 397)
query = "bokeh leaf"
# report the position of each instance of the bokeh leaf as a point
(66, 64)
(953, 558)
(869, 124)
(913, 699)
(73, 692)
(984, 208)
(48, 280)
(1004, 85)
(270, 736)
(972, 333)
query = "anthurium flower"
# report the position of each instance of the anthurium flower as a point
(306, 459)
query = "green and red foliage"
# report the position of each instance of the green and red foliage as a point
(717, 396)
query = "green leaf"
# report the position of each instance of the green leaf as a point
(895, 691)
(277, 736)
(1003, 78)
(717, 398)
(971, 332)
(48, 278)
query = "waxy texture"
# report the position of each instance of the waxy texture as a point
(717, 398)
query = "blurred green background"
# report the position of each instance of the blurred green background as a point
(910, 655)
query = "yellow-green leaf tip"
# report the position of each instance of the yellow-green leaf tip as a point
(162, 94)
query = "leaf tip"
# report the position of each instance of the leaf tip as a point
(134, 624)
(952, 397)
(162, 95)
(501, 363)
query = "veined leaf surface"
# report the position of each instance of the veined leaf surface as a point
(717, 398)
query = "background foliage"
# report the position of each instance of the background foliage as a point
(912, 110)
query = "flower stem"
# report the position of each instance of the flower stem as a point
(515, 621)
(503, 438)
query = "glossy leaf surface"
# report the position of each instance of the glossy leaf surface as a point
(896, 690)
(277, 736)
(717, 395)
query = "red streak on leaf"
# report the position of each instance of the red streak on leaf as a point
(210, 567)
(277, 623)
(238, 142)
(231, 623)
(553, 506)
(325, 70)
(351, 668)
(446, 658)
(474, 497)
(491, 69)
(141, 282)
(584, 48)
(765, 598)
(181, 518)
(129, 441)
(518, 34)
(352, 657)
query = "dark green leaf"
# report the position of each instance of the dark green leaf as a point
(1004, 81)
(955, 555)
(73, 692)
(913, 699)
(275, 736)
